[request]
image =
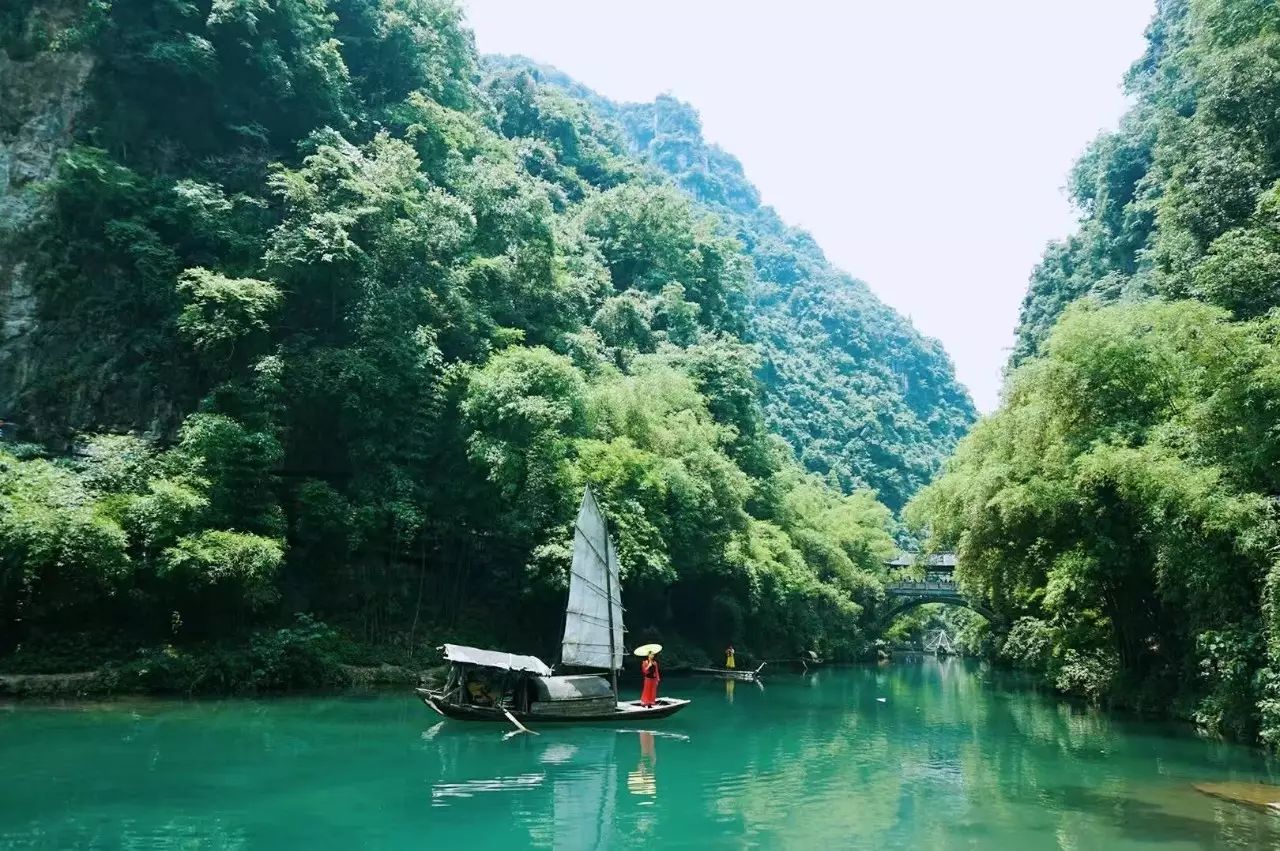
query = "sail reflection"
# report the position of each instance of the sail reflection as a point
(558, 754)
(569, 801)
(585, 794)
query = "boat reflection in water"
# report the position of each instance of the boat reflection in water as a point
(467, 789)
(576, 780)
(586, 788)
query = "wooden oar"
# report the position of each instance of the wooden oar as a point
(520, 727)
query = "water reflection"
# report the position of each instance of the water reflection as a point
(643, 781)
(469, 788)
(585, 796)
(955, 757)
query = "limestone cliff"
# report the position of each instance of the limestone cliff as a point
(40, 98)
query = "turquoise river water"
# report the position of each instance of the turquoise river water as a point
(921, 755)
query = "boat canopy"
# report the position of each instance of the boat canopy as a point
(495, 659)
(573, 687)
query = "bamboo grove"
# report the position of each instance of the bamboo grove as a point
(1119, 510)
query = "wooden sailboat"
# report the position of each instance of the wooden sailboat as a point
(488, 685)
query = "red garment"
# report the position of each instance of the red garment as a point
(652, 676)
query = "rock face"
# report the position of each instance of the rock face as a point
(55, 686)
(42, 97)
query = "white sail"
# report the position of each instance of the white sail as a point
(595, 598)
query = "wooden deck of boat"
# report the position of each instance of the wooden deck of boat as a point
(625, 706)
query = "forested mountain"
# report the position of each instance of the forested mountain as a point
(1177, 202)
(305, 311)
(860, 395)
(1120, 509)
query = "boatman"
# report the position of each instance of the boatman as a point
(480, 695)
(728, 658)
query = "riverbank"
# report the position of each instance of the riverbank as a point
(125, 681)
(194, 678)
(115, 682)
(306, 655)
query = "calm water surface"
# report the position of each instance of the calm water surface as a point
(952, 758)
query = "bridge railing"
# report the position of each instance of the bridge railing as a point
(923, 587)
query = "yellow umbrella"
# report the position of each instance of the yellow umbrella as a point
(646, 649)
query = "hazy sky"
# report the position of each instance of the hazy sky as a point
(924, 144)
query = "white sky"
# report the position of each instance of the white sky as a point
(924, 144)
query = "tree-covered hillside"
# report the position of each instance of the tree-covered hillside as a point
(860, 395)
(1120, 509)
(1178, 201)
(305, 312)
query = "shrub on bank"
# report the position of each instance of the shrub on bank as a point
(306, 654)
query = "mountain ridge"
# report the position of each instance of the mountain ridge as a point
(898, 448)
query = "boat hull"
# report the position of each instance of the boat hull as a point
(626, 711)
(729, 674)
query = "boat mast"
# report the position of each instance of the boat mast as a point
(608, 587)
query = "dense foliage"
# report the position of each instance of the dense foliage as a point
(1179, 201)
(1118, 512)
(862, 398)
(331, 322)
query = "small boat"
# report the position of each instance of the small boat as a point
(732, 673)
(487, 685)
(491, 685)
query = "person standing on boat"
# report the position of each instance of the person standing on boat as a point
(652, 676)
(728, 658)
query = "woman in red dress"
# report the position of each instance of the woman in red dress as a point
(652, 676)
